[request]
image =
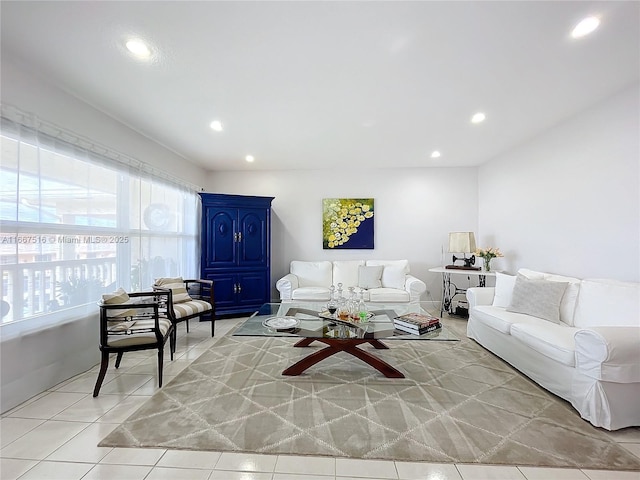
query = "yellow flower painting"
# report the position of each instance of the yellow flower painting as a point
(347, 223)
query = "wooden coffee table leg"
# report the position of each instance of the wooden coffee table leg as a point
(310, 360)
(377, 363)
(305, 342)
(344, 345)
(377, 344)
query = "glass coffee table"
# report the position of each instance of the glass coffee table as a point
(306, 320)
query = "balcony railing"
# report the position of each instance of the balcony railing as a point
(37, 288)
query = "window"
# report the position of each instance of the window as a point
(75, 224)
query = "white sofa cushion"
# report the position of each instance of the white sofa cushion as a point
(312, 274)
(499, 319)
(552, 340)
(311, 293)
(392, 295)
(370, 276)
(607, 303)
(504, 289)
(540, 298)
(394, 272)
(531, 274)
(346, 272)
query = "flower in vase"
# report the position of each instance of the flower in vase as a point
(487, 254)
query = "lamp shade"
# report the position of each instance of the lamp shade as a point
(462, 242)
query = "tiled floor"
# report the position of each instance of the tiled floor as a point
(55, 435)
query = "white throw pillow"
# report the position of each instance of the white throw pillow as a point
(393, 277)
(312, 274)
(504, 289)
(570, 297)
(539, 298)
(370, 277)
(394, 274)
(346, 272)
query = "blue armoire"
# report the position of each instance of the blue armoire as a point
(236, 250)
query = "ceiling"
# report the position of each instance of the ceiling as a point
(337, 85)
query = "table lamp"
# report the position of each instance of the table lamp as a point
(463, 242)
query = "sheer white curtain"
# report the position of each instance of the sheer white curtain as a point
(76, 221)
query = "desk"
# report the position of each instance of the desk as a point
(450, 289)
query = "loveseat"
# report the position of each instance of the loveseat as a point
(579, 339)
(381, 280)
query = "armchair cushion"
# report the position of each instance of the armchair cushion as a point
(177, 287)
(190, 308)
(138, 332)
(119, 297)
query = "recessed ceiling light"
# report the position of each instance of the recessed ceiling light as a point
(585, 27)
(249, 158)
(478, 117)
(435, 154)
(216, 125)
(138, 48)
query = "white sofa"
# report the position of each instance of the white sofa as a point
(383, 280)
(589, 355)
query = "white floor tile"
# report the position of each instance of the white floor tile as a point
(13, 428)
(350, 467)
(189, 459)
(427, 471)
(84, 446)
(83, 383)
(307, 466)
(489, 472)
(89, 409)
(246, 462)
(151, 386)
(226, 475)
(48, 405)
(123, 410)
(631, 434)
(133, 456)
(298, 476)
(633, 448)
(57, 471)
(125, 383)
(43, 440)
(610, 475)
(117, 472)
(164, 473)
(12, 468)
(540, 473)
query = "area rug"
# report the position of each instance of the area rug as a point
(457, 404)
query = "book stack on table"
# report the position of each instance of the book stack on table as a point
(417, 323)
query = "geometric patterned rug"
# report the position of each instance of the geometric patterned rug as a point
(458, 404)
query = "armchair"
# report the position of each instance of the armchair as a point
(186, 299)
(130, 322)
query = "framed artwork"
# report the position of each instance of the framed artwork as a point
(347, 223)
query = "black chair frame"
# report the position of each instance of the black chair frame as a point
(198, 290)
(106, 349)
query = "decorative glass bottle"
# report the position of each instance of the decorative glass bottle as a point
(362, 308)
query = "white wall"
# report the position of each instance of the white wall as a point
(569, 201)
(23, 90)
(415, 209)
(36, 361)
